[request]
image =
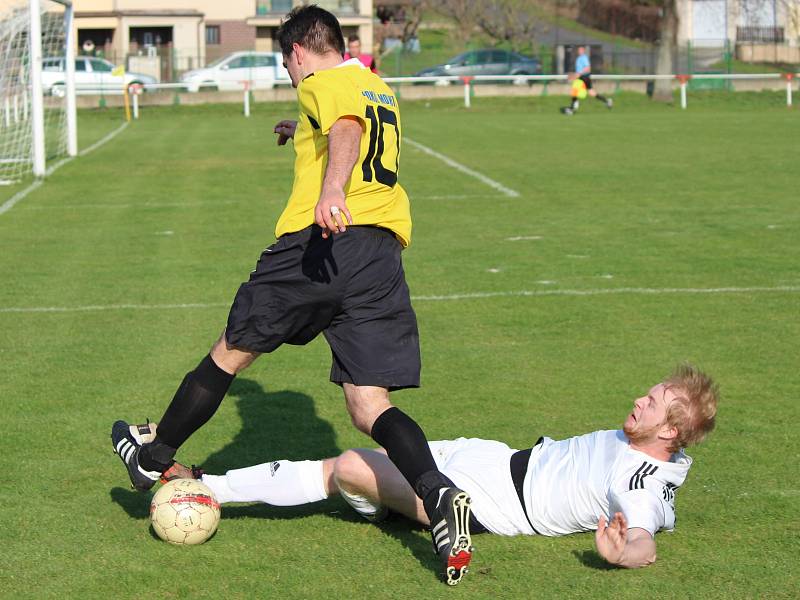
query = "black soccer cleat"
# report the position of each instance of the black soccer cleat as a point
(127, 448)
(450, 534)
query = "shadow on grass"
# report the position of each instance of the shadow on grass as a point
(282, 425)
(414, 537)
(135, 504)
(591, 559)
(275, 425)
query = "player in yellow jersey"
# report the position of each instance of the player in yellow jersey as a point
(335, 269)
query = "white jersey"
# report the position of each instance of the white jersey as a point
(570, 483)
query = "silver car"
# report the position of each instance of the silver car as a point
(486, 62)
(92, 76)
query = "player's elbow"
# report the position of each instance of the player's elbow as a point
(647, 559)
(643, 559)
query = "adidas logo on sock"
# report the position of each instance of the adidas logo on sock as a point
(273, 467)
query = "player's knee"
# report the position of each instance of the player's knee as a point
(365, 405)
(361, 421)
(231, 359)
(347, 468)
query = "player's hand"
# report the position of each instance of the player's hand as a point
(612, 537)
(285, 130)
(331, 212)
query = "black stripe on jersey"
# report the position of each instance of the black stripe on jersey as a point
(637, 481)
(314, 124)
(668, 491)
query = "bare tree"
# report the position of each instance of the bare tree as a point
(666, 49)
(465, 14)
(512, 21)
(413, 11)
(791, 16)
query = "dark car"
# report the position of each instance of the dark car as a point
(486, 62)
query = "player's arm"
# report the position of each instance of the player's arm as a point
(629, 548)
(344, 144)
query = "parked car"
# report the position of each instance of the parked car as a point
(486, 62)
(260, 69)
(92, 76)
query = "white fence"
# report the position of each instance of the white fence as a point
(409, 87)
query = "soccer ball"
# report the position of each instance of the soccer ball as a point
(184, 511)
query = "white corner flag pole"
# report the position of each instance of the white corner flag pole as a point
(37, 102)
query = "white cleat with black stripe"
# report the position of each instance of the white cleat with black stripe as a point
(127, 448)
(450, 534)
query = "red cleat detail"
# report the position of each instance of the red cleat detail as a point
(460, 560)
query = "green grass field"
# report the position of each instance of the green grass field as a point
(680, 230)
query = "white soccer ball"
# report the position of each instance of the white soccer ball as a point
(184, 511)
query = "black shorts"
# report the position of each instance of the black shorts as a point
(351, 287)
(587, 79)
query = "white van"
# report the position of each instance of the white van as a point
(261, 70)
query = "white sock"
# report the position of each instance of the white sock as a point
(279, 483)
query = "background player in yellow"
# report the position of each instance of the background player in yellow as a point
(335, 269)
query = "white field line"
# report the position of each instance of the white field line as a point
(457, 196)
(458, 166)
(19, 196)
(107, 205)
(613, 291)
(133, 205)
(449, 297)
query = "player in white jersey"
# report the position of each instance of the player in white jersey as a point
(620, 483)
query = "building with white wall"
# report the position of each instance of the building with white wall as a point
(165, 37)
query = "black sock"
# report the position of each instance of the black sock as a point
(408, 449)
(573, 103)
(197, 399)
(601, 98)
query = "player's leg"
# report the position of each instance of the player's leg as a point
(593, 92)
(271, 308)
(375, 346)
(196, 400)
(601, 98)
(278, 483)
(371, 475)
(405, 442)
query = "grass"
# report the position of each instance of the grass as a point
(644, 196)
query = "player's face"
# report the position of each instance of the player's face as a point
(649, 414)
(354, 48)
(293, 67)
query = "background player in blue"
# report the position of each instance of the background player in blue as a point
(584, 70)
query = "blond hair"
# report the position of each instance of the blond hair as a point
(693, 411)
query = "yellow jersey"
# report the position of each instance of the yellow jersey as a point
(372, 193)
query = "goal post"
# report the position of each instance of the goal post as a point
(35, 125)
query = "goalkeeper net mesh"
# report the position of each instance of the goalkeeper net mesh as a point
(16, 137)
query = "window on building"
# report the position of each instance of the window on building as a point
(212, 35)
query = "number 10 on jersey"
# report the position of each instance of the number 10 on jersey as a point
(380, 121)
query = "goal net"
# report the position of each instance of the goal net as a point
(35, 126)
